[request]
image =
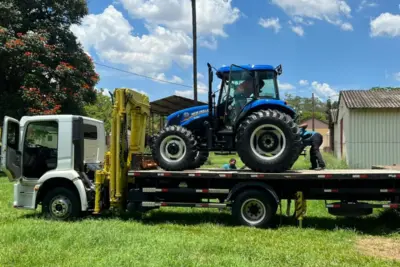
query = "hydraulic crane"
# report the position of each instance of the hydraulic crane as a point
(131, 110)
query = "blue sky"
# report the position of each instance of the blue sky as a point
(324, 46)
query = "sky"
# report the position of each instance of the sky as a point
(324, 46)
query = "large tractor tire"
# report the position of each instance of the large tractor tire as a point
(174, 148)
(200, 159)
(268, 132)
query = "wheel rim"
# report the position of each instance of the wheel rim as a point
(60, 206)
(253, 211)
(268, 139)
(173, 148)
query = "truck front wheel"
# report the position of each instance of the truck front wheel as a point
(254, 208)
(61, 204)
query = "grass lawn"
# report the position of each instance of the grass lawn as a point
(195, 237)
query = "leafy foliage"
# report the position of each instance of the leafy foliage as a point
(305, 106)
(43, 69)
(101, 109)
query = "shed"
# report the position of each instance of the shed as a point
(366, 127)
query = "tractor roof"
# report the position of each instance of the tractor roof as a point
(226, 69)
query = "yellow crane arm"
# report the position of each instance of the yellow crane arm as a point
(130, 107)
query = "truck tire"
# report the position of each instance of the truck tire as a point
(61, 204)
(254, 208)
(174, 148)
(200, 159)
(282, 136)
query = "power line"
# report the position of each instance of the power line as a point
(141, 75)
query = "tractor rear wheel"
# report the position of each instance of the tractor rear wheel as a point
(174, 148)
(268, 141)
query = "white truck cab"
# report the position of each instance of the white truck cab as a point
(46, 156)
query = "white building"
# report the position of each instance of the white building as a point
(366, 129)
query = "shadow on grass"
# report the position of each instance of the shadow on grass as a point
(385, 223)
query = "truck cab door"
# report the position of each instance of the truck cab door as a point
(10, 155)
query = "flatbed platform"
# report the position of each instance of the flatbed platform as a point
(293, 174)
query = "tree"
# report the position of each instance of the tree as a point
(101, 109)
(304, 105)
(43, 70)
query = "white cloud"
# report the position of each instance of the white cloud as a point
(285, 86)
(174, 79)
(298, 30)
(200, 76)
(270, 23)
(303, 82)
(201, 90)
(168, 41)
(110, 35)
(211, 15)
(385, 24)
(210, 43)
(323, 90)
(397, 76)
(366, 3)
(185, 93)
(332, 11)
(346, 26)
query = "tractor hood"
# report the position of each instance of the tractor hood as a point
(185, 115)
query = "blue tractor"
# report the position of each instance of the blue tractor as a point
(248, 118)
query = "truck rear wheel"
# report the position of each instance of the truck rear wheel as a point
(174, 148)
(254, 208)
(61, 204)
(268, 141)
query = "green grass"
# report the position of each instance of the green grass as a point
(187, 237)
(216, 161)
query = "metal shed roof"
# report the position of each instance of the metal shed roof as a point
(380, 98)
(168, 105)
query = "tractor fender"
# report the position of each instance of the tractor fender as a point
(240, 187)
(263, 105)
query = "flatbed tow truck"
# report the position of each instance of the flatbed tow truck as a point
(67, 176)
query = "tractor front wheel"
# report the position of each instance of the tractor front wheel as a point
(174, 148)
(268, 141)
(200, 159)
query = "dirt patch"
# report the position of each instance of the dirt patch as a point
(388, 248)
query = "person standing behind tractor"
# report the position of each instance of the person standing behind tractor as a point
(314, 140)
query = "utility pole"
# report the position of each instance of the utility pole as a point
(194, 51)
(313, 112)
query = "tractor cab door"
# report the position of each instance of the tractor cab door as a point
(241, 91)
(10, 154)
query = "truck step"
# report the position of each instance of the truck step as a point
(149, 204)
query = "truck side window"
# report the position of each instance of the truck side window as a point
(40, 148)
(90, 132)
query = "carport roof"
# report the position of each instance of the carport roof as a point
(168, 105)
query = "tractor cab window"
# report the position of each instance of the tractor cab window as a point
(241, 91)
(40, 148)
(268, 85)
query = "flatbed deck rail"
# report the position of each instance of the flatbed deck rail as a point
(301, 174)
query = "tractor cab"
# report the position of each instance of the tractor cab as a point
(241, 87)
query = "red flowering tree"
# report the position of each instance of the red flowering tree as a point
(43, 70)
